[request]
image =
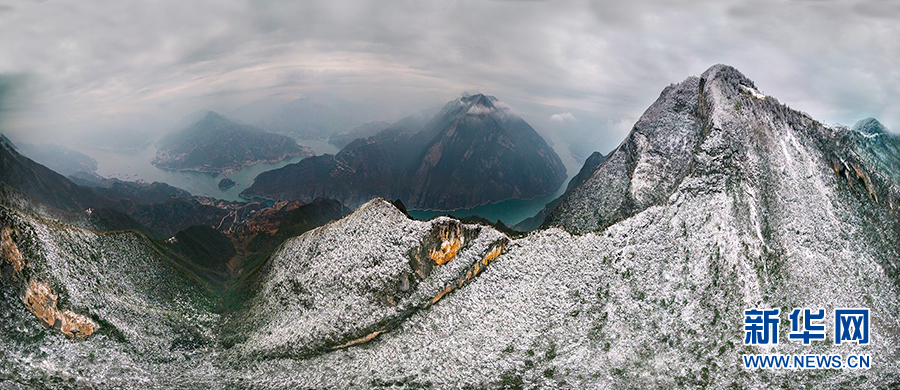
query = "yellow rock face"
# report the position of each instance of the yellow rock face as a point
(40, 300)
(9, 250)
(472, 272)
(451, 242)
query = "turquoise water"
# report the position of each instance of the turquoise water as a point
(510, 212)
(138, 167)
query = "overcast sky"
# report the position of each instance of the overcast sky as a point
(575, 70)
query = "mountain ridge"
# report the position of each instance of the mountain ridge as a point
(471, 142)
(217, 144)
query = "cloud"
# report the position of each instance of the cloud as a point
(104, 63)
(478, 109)
(563, 117)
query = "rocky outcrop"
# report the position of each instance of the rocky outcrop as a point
(10, 251)
(323, 295)
(40, 300)
(38, 296)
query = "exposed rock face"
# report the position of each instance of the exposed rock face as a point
(10, 251)
(116, 291)
(474, 151)
(351, 280)
(41, 301)
(644, 169)
(38, 297)
(216, 144)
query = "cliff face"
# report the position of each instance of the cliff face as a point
(726, 200)
(474, 151)
(216, 144)
(644, 169)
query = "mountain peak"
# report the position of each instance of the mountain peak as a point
(870, 126)
(728, 82)
(213, 117)
(479, 98)
(480, 104)
(728, 73)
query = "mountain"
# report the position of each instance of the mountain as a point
(59, 158)
(727, 200)
(877, 146)
(474, 151)
(139, 191)
(870, 127)
(216, 144)
(43, 184)
(590, 164)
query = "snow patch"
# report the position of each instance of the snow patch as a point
(753, 92)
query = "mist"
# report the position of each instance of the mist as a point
(581, 73)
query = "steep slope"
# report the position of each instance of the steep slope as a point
(59, 158)
(878, 147)
(43, 184)
(483, 154)
(319, 295)
(100, 304)
(644, 169)
(216, 144)
(474, 151)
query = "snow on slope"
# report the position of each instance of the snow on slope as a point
(759, 219)
(721, 204)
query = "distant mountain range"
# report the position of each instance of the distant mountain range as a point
(474, 151)
(217, 144)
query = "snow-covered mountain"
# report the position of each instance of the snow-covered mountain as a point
(720, 200)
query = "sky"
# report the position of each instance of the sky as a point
(581, 72)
